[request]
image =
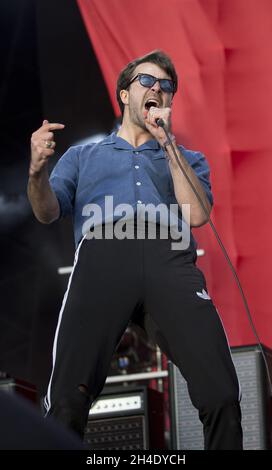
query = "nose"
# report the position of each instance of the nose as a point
(156, 87)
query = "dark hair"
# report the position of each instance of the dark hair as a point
(156, 57)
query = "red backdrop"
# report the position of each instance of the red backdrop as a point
(222, 53)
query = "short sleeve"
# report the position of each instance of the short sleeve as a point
(63, 180)
(201, 167)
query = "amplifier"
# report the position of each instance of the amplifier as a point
(186, 428)
(126, 418)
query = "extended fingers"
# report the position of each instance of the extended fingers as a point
(43, 137)
(52, 126)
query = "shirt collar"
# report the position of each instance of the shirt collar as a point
(120, 143)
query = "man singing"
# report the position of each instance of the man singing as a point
(115, 276)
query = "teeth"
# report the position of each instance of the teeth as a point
(150, 103)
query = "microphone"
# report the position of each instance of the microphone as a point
(160, 122)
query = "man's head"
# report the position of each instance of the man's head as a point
(137, 88)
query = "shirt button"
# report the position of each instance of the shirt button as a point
(138, 183)
(136, 153)
(139, 202)
(137, 167)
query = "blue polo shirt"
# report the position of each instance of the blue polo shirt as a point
(85, 174)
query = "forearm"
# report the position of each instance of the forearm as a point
(183, 191)
(43, 200)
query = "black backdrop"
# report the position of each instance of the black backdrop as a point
(48, 70)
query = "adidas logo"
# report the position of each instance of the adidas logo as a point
(203, 295)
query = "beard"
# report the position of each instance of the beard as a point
(137, 118)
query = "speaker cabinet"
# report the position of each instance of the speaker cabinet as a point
(126, 419)
(186, 428)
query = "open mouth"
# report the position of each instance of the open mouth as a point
(151, 102)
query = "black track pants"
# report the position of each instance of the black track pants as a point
(111, 280)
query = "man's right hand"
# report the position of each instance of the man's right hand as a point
(42, 146)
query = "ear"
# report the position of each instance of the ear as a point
(124, 95)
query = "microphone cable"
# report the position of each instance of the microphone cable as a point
(160, 122)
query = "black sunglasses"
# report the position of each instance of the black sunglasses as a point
(148, 81)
